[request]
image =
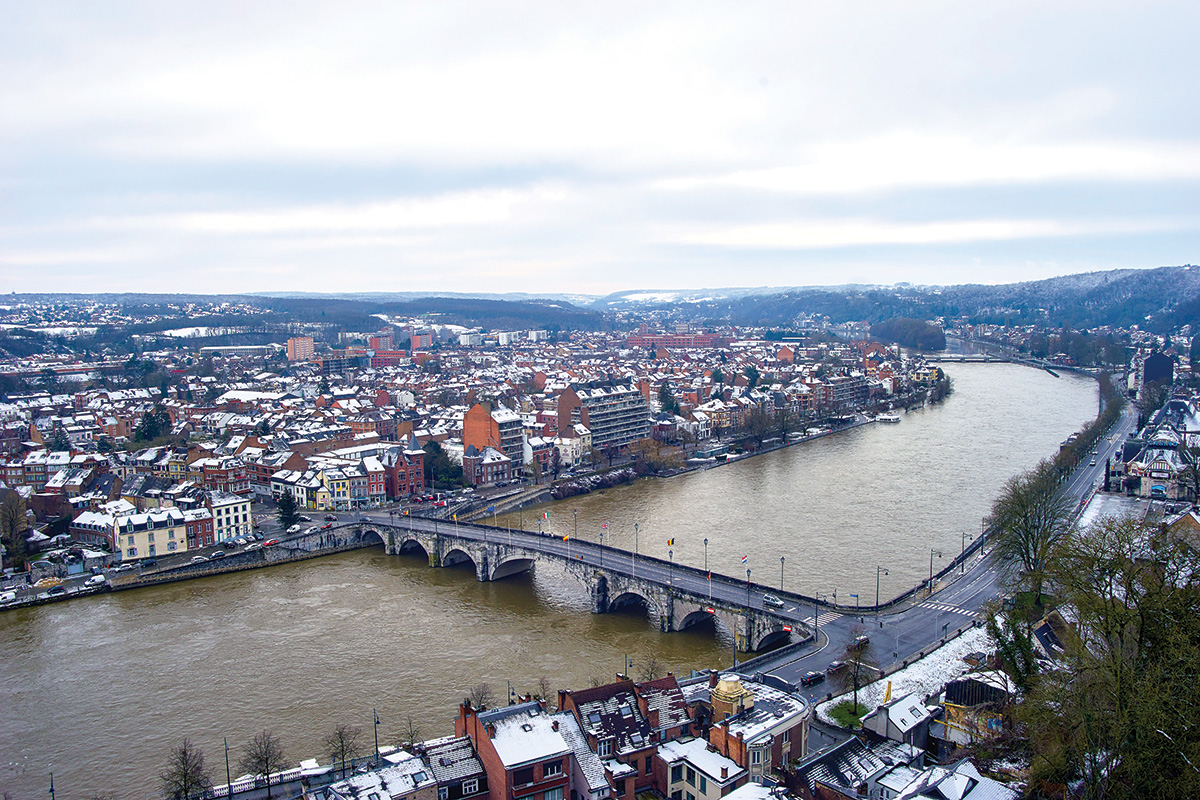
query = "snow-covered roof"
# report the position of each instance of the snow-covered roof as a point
(697, 753)
(524, 733)
(589, 763)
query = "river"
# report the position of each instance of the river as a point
(97, 689)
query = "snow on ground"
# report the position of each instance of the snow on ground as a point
(925, 677)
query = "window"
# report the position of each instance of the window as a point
(151, 549)
(703, 784)
(691, 776)
(130, 539)
(676, 773)
(171, 534)
(787, 736)
(170, 545)
(756, 756)
(523, 777)
(443, 793)
(551, 768)
(677, 794)
(649, 765)
(470, 787)
(150, 536)
(553, 794)
(131, 552)
(691, 796)
(605, 748)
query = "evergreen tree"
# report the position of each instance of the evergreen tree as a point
(288, 515)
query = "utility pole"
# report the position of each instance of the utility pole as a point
(931, 554)
(781, 573)
(878, 570)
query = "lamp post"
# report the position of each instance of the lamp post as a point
(781, 573)
(817, 596)
(878, 571)
(747, 587)
(932, 552)
(633, 557)
(671, 567)
(575, 528)
(962, 557)
(601, 549)
(376, 715)
(706, 572)
(228, 780)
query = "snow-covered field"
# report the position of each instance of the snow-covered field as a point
(925, 677)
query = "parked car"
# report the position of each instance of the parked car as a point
(199, 559)
(305, 519)
(95, 580)
(149, 562)
(253, 546)
(772, 600)
(56, 591)
(7, 597)
(835, 666)
(270, 542)
(124, 568)
(331, 518)
(811, 678)
(294, 529)
(216, 555)
(327, 526)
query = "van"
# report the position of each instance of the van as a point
(95, 580)
(7, 597)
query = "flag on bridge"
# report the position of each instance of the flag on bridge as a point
(670, 542)
(545, 515)
(745, 559)
(604, 525)
(854, 596)
(491, 509)
(455, 516)
(566, 536)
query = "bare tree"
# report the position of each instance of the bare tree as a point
(651, 667)
(263, 756)
(544, 689)
(410, 732)
(481, 695)
(1030, 516)
(342, 744)
(185, 775)
(860, 669)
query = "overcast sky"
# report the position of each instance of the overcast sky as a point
(488, 146)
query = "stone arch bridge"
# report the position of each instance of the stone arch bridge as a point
(677, 596)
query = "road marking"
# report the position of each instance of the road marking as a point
(828, 617)
(945, 607)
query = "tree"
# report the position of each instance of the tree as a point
(263, 756)
(666, 398)
(758, 426)
(1119, 710)
(718, 376)
(481, 695)
(1011, 631)
(1030, 516)
(12, 522)
(154, 423)
(288, 514)
(752, 375)
(411, 731)
(860, 669)
(185, 775)
(651, 667)
(59, 442)
(544, 689)
(342, 744)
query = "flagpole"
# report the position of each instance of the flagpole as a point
(376, 714)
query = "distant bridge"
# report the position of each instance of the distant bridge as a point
(678, 596)
(960, 358)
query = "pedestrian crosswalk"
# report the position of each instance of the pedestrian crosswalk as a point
(946, 607)
(828, 617)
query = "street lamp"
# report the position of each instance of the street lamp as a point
(601, 549)
(671, 567)
(747, 587)
(878, 571)
(706, 572)
(817, 596)
(963, 555)
(575, 528)
(932, 552)
(633, 556)
(781, 573)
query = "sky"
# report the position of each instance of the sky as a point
(591, 148)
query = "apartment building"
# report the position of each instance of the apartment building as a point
(615, 416)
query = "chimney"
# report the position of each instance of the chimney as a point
(554, 725)
(491, 730)
(724, 773)
(712, 680)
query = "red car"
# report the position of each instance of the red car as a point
(327, 526)
(270, 542)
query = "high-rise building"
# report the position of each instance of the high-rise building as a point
(300, 348)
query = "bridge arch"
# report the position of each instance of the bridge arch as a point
(779, 636)
(456, 556)
(366, 536)
(511, 566)
(630, 601)
(412, 546)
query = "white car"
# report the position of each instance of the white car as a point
(294, 529)
(772, 600)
